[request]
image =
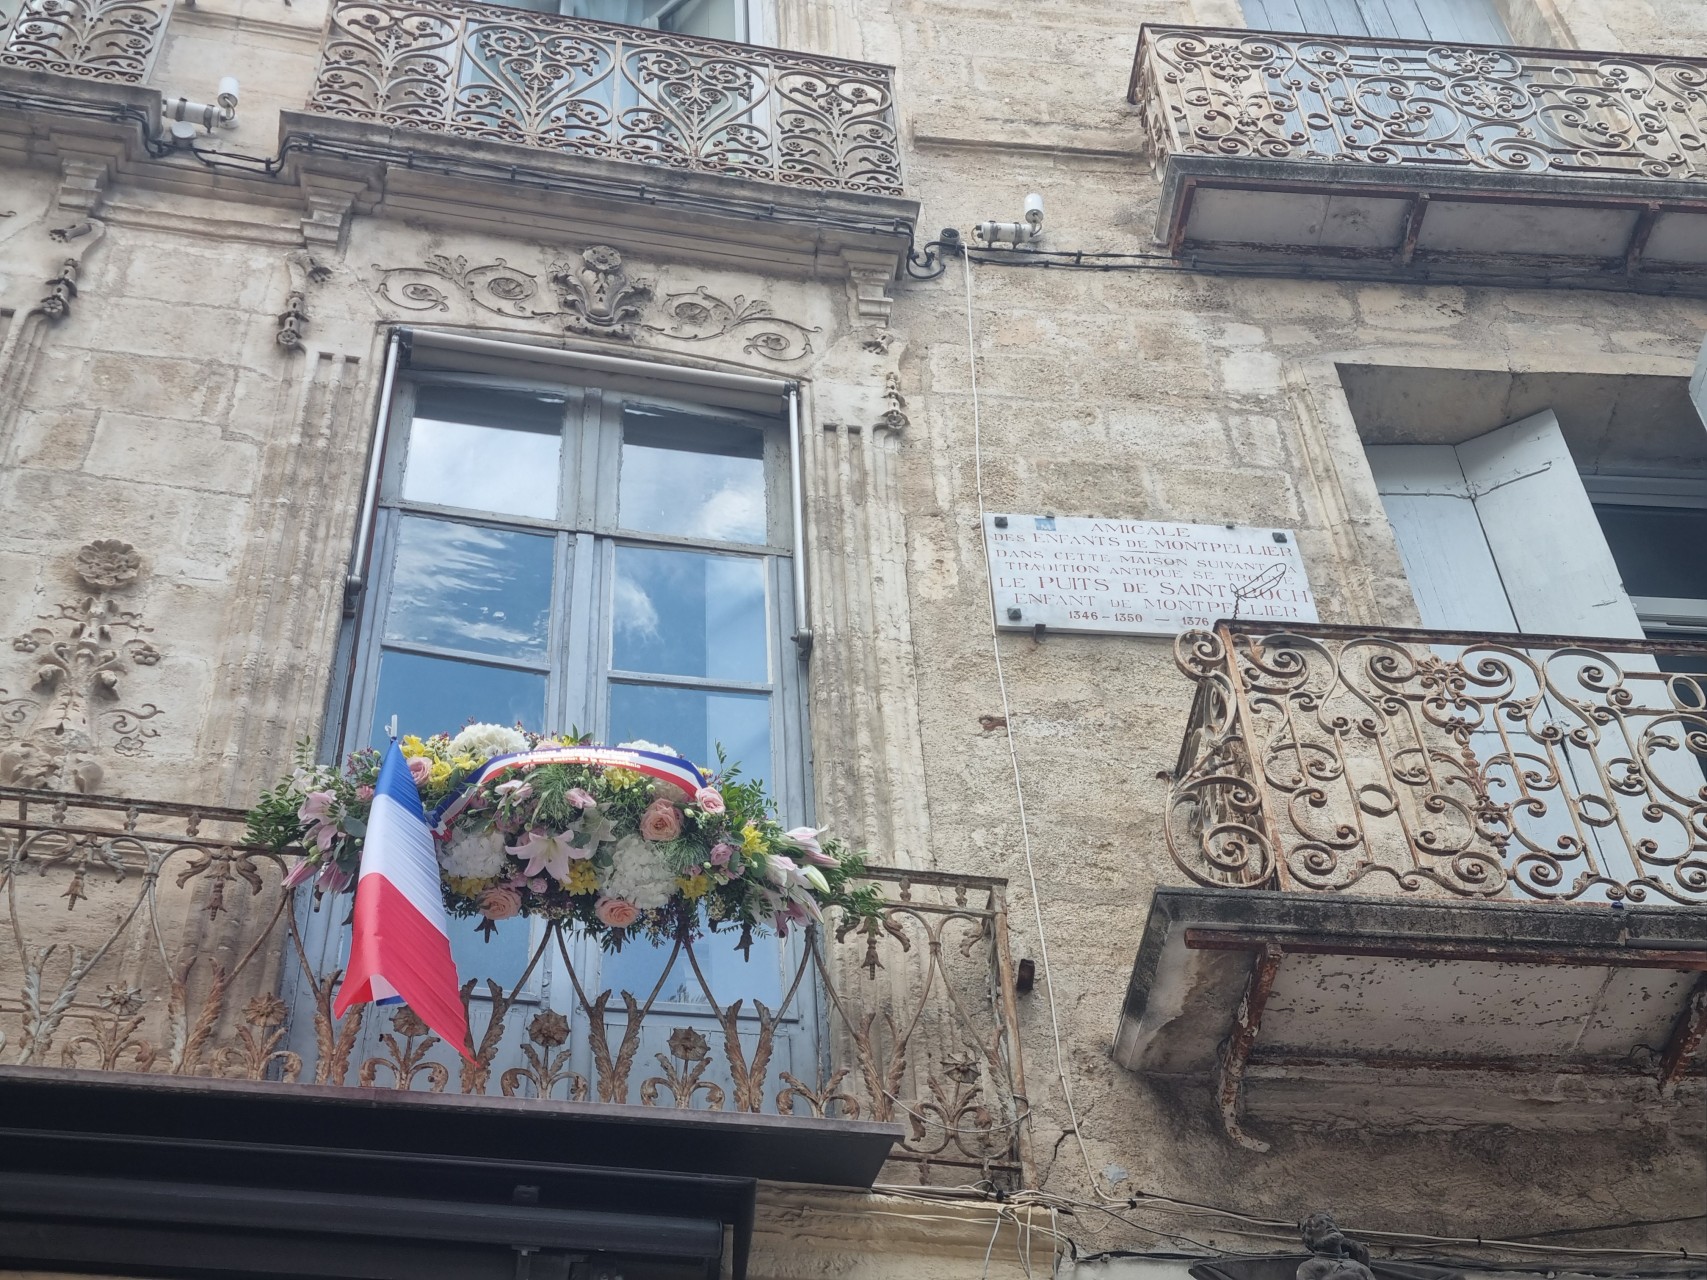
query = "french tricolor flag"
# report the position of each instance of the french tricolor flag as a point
(399, 947)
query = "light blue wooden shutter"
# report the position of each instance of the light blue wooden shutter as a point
(1498, 534)
(1470, 21)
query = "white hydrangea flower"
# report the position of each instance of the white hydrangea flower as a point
(473, 855)
(639, 874)
(483, 741)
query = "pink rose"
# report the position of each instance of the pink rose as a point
(500, 903)
(708, 800)
(364, 793)
(721, 853)
(316, 805)
(617, 913)
(581, 799)
(661, 821)
(538, 884)
(420, 769)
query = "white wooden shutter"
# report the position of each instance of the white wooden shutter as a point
(1508, 543)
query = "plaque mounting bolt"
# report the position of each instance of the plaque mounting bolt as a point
(1001, 522)
(1013, 615)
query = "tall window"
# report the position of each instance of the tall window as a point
(608, 558)
(578, 556)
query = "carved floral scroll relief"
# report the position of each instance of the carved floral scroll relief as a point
(52, 735)
(594, 295)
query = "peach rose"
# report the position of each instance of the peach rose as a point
(420, 769)
(709, 800)
(617, 913)
(661, 821)
(500, 903)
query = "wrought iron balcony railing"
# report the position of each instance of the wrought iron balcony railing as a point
(1409, 104)
(146, 937)
(111, 40)
(1455, 764)
(614, 92)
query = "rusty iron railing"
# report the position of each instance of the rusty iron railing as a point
(1227, 92)
(616, 92)
(1452, 763)
(111, 40)
(146, 937)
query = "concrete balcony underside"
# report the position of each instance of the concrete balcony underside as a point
(1427, 162)
(1301, 1008)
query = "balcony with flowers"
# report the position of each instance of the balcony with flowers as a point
(1427, 160)
(1460, 873)
(170, 979)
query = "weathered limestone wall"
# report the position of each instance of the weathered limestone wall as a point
(1157, 395)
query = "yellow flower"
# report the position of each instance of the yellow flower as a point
(440, 774)
(752, 839)
(467, 886)
(694, 886)
(622, 777)
(466, 763)
(413, 746)
(583, 877)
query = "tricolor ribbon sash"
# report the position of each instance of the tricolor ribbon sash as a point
(654, 764)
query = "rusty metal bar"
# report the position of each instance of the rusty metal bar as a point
(1423, 636)
(1008, 997)
(1244, 728)
(1686, 1036)
(1247, 1024)
(1417, 948)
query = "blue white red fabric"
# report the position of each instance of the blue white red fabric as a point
(399, 947)
(654, 764)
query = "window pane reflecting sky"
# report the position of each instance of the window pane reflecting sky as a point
(484, 450)
(440, 695)
(688, 613)
(463, 586)
(691, 476)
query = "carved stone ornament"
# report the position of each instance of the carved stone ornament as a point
(61, 292)
(304, 271)
(598, 297)
(50, 738)
(595, 296)
(1333, 1255)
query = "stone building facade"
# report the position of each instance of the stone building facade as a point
(204, 323)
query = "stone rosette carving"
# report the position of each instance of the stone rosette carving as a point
(52, 737)
(598, 296)
(595, 296)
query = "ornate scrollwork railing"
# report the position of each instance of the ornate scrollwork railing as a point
(1467, 764)
(111, 40)
(622, 93)
(138, 936)
(1397, 102)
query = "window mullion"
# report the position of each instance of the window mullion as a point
(582, 615)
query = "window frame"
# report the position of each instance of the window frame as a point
(577, 665)
(1681, 616)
